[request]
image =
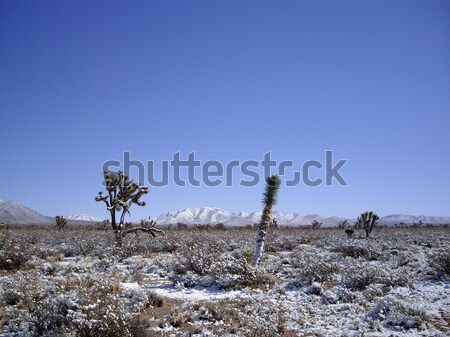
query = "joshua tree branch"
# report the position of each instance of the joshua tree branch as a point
(143, 229)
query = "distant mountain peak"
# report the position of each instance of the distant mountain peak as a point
(199, 215)
(14, 213)
(82, 217)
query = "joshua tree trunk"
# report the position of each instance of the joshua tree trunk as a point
(115, 226)
(269, 200)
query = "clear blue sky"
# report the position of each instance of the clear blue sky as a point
(81, 82)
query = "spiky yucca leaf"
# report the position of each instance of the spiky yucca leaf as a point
(271, 192)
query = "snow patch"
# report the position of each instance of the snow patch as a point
(196, 294)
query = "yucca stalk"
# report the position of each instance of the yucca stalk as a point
(269, 200)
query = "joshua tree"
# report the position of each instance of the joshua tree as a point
(61, 223)
(368, 220)
(418, 224)
(122, 193)
(316, 224)
(274, 223)
(343, 224)
(269, 200)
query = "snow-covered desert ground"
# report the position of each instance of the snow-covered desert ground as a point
(74, 282)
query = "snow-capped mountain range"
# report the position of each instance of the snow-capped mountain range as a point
(211, 215)
(14, 213)
(83, 217)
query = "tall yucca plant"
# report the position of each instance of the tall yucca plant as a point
(269, 200)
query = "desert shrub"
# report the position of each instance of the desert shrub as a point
(349, 232)
(253, 317)
(312, 265)
(247, 255)
(197, 257)
(315, 289)
(74, 243)
(46, 269)
(208, 260)
(370, 250)
(155, 300)
(12, 259)
(355, 251)
(372, 291)
(180, 316)
(14, 288)
(404, 259)
(170, 244)
(399, 314)
(360, 274)
(439, 260)
(338, 294)
(15, 250)
(208, 264)
(232, 273)
(399, 277)
(71, 249)
(193, 263)
(264, 317)
(23, 297)
(80, 306)
(280, 242)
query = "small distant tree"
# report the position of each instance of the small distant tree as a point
(122, 193)
(103, 226)
(274, 223)
(220, 226)
(349, 232)
(418, 223)
(61, 223)
(182, 226)
(316, 224)
(269, 200)
(343, 224)
(367, 220)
